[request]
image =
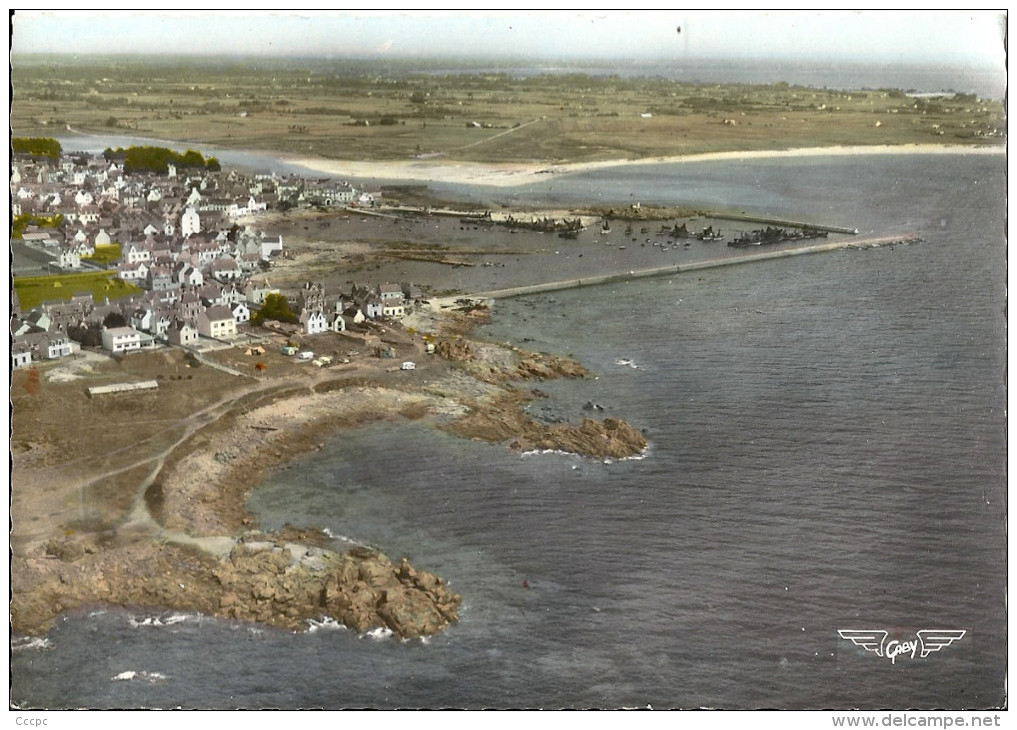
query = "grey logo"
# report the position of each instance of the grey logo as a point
(925, 642)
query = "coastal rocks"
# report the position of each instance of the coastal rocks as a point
(501, 420)
(454, 350)
(607, 439)
(547, 367)
(287, 585)
(264, 579)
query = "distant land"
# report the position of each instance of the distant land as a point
(503, 110)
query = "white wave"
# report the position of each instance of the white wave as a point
(630, 363)
(26, 643)
(327, 623)
(337, 536)
(635, 457)
(537, 452)
(379, 633)
(130, 674)
(163, 620)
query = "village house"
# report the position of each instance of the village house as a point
(217, 322)
(313, 321)
(224, 269)
(121, 339)
(190, 222)
(21, 354)
(393, 308)
(241, 313)
(256, 291)
(69, 258)
(190, 306)
(55, 345)
(372, 307)
(180, 332)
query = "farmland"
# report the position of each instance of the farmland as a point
(358, 111)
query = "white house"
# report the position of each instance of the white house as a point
(69, 258)
(132, 272)
(190, 222)
(136, 253)
(269, 247)
(338, 324)
(189, 275)
(241, 313)
(121, 339)
(393, 308)
(21, 355)
(313, 321)
(57, 345)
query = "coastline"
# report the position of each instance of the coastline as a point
(512, 174)
(188, 543)
(208, 493)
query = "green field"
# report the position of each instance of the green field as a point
(34, 290)
(105, 255)
(366, 111)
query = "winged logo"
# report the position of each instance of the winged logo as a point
(869, 639)
(936, 639)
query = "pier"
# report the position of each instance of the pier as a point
(670, 270)
(782, 222)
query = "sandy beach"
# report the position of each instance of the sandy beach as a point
(510, 174)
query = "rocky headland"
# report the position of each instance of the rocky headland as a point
(186, 541)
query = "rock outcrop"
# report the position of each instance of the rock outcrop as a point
(503, 420)
(286, 585)
(264, 579)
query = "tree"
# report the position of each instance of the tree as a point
(274, 307)
(114, 319)
(39, 146)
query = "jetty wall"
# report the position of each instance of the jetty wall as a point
(781, 222)
(697, 266)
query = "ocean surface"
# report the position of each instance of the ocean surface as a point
(827, 452)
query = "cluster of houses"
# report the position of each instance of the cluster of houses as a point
(201, 272)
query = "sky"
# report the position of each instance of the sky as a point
(964, 38)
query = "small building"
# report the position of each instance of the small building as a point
(181, 332)
(121, 339)
(217, 322)
(313, 321)
(21, 355)
(241, 313)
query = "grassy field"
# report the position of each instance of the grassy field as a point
(357, 113)
(105, 255)
(34, 290)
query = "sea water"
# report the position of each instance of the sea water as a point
(827, 453)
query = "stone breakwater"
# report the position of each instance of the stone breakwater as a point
(674, 269)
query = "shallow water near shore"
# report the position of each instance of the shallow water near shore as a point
(827, 452)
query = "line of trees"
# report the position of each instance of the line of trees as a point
(158, 159)
(20, 222)
(40, 146)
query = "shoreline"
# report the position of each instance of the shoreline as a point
(509, 174)
(187, 542)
